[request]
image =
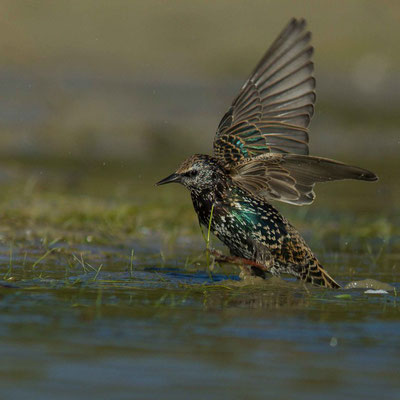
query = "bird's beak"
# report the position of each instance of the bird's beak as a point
(169, 179)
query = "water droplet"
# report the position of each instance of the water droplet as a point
(333, 342)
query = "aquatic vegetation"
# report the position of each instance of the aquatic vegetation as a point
(106, 290)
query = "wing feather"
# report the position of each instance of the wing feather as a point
(290, 178)
(272, 111)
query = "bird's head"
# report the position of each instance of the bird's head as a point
(198, 172)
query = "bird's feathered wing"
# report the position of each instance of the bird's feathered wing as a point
(263, 137)
(275, 105)
(290, 178)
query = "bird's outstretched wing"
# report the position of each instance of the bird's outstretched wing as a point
(290, 178)
(275, 105)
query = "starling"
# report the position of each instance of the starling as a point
(261, 155)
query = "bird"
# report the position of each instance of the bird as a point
(261, 155)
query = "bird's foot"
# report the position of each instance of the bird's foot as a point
(220, 257)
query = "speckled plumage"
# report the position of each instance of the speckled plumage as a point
(252, 228)
(261, 154)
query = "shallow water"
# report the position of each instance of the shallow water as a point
(153, 326)
(104, 286)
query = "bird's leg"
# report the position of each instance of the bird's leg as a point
(219, 257)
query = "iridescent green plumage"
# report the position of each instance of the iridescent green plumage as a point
(261, 154)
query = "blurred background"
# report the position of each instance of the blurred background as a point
(105, 290)
(146, 83)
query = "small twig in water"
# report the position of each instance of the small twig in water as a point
(42, 258)
(131, 263)
(208, 237)
(8, 273)
(97, 273)
(81, 262)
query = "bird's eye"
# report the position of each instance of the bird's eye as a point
(191, 173)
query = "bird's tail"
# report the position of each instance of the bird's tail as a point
(315, 274)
